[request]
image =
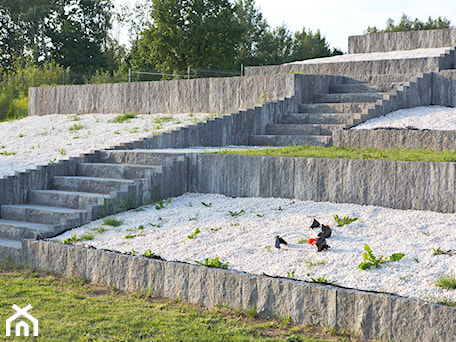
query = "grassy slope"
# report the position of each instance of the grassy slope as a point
(351, 153)
(71, 310)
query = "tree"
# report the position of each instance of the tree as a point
(276, 47)
(195, 33)
(309, 45)
(407, 24)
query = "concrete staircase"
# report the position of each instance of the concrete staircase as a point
(95, 190)
(346, 105)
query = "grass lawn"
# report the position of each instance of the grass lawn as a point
(351, 153)
(73, 310)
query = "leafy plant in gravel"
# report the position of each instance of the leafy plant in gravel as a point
(75, 127)
(291, 274)
(370, 260)
(447, 282)
(149, 254)
(112, 221)
(194, 234)
(439, 251)
(207, 205)
(124, 117)
(132, 252)
(236, 213)
(323, 280)
(213, 263)
(138, 229)
(72, 239)
(343, 221)
(161, 205)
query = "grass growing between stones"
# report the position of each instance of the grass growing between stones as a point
(73, 310)
(310, 151)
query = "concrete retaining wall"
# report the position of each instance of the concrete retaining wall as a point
(211, 95)
(370, 315)
(384, 42)
(444, 88)
(396, 138)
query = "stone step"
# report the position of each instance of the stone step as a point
(11, 250)
(67, 199)
(89, 184)
(328, 118)
(318, 108)
(117, 171)
(287, 140)
(362, 87)
(301, 129)
(24, 230)
(43, 214)
(136, 157)
(347, 97)
(374, 79)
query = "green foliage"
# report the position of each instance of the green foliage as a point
(112, 221)
(213, 263)
(124, 117)
(161, 205)
(323, 280)
(370, 260)
(407, 24)
(291, 274)
(236, 213)
(149, 254)
(76, 127)
(71, 239)
(194, 234)
(447, 282)
(439, 251)
(309, 151)
(138, 230)
(343, 221)
(207, 205)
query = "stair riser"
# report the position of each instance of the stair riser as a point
(18, 233)
(266, 140)
(347, 98)
(15, 213)
(297, 130)
(117, 171)
(101, 186)
(320, 119)
(334, 108)
(362, 88)
(11, 254)
(73, 201)
(135, 158)
(375, 79)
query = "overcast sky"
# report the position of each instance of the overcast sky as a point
(338, 19)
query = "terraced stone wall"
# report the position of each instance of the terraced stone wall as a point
(384, 42)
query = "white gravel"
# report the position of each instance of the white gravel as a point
(246, 241)
(39, 140)
(359, 57)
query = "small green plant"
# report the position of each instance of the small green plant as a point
(149, 254)
(75, 127)
(162, 119)
(124, 117)
(194, 234)
(207, 205)
(252, 311)
(87, 236)
(112, 221)
(216, 229)
(139, 230)
(291, 274)
(370, 260)
(62, 152)
(439, 251)
(72, 239)
(236, 213)
(213, 263)
(161, 205)
(6, 153)
(322, 279)
(345, 220)
(132, 252)
(260, 215)
(447, 282)
(154, 225)
(75, 118)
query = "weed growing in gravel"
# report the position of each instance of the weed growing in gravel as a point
(370, 260)
(112, 221)
(87, 236)
(75, 127)
(216, 229)
(162, 119)
(124, 117)
(139, 230)
(291, 274)
(236, 213)
(343, 221)
(311, 264)
(149, 254)
(322, 279)
(62, 152)
(154, 225)
(6, 153)
(447, 282)
(160, 204)
(194, 234)
(439, 251)
(75, 118)
(213, 263)
(207, 205)
(72, 239)
(132, 252)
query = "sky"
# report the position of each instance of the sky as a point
(339, 19)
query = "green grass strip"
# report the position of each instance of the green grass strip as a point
(309, 151)
(74, 310)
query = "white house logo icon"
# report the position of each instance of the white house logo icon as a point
(22, 312)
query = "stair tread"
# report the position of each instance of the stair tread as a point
(128, 165)
(45, 208)
(10, 243)
(123, 180)
(32, 225)
(65, 192)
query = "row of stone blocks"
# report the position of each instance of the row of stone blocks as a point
(370, 315)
